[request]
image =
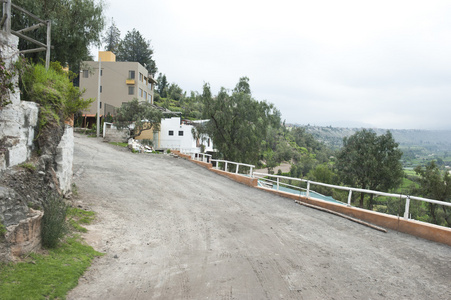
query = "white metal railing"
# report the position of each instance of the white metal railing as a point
(204, 157)
(201, 157)
(226, 163)
(350, 190)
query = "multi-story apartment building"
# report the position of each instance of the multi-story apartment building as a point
(119, 82)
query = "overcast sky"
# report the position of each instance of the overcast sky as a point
(383, 64)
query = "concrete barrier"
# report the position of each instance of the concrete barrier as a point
(420, 229)
(423, 230)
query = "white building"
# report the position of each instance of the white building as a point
(177, 135)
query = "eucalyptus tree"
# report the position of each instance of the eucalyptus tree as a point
(369, 161)
(435, 184)
(238, 123)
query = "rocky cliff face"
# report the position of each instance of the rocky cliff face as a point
(31, 166)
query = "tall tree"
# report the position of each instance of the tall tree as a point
(112, 37)
(370, 162)
(238, 123)
(135, 48)
(436, 185)
(162, 85)
(76, 25)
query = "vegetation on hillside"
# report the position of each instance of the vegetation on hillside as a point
(75, 26)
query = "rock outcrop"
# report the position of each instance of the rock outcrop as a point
(31, 166)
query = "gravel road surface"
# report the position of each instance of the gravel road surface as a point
(173, 230)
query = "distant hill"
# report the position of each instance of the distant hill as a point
(433, 140)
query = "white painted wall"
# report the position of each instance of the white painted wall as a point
(176, 141)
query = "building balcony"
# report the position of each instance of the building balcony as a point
(130, 81)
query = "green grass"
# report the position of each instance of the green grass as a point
(119, 144)
(77, 216)
(28, 166)
(410, 172)
(48, 276)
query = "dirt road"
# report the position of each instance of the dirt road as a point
(173, 230)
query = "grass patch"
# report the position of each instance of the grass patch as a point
(28, 166)
(125, 145)
(47, 276)
(77, 216)
(53, 275)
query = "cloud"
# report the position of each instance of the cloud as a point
(381, 63)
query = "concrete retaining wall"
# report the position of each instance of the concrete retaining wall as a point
(116, 135)
(253, 182)
(424, 230)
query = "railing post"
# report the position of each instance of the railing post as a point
(278, 183)
(225, 166)
(308, 189)
(406, 211)
(349, 197)
(251, 173)
(237, 168)
(7, 12)
(47, 52)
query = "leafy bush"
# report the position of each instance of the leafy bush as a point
(52, 89)
(54, 225)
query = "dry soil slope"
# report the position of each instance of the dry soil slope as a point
(173, 230)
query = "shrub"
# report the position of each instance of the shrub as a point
(54, 225)
(2, 229)
(52, 89)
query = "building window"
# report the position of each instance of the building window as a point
(141, 93)
(181, 133)
(131, 74)
(171, 132)
(85, 73)
(208, 142)
(100, 104)
(131, 90)
(101, 72)
(141, 77)
(100, 88)
(145, 95)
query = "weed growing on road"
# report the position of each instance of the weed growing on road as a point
(47, 276)
(77, 216)
(125, 145)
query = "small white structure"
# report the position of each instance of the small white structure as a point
(177, 135)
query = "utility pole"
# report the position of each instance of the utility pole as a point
(98, 98)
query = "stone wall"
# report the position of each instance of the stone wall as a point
(112, 134)
(22, 187)
(64, 160)
(17, 120)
